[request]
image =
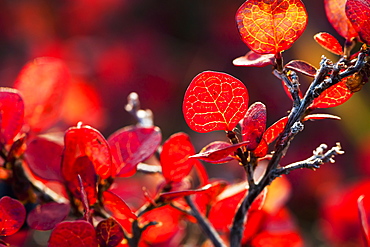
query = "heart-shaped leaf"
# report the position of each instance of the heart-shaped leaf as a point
(253, 125)
(12, 216)
(84, 140)
(357, 12)
(174, 157)
(109, 233)
(214, 101)
(335, 11)
(328, 42)
(46, 216)
(130, 146)
(11, 114)
(73, 233)
(252, 59)
(270, 27)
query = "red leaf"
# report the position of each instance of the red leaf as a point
(12, 216)
(357, 12)
(252, 59)
(275, 130)
(11, 114)
(86, 141)
(335, 11)
(174, 157)
(84, 198)
(75, 233)
(328, 42)
(45, 217)
(333, 96)
(117, 206)
(43, 156)
(43, 84)
(84, 168)
(214, 101)
(270, 27)
(109, 233)
(253, 125)
(261, 149)
(320, 116)
(277, 239)
(205, 201)
(218, 152)
(363, 220)
(201, 172)
(302, 67)
(130, 146)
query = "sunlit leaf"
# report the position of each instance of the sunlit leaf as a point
(328, 42)
(12, 216)
(333, 96)
(43, 83)
(132, 145)
(320, 116)
(253, 125)
(201, 172)
(270, 27)
(46, 216)
(109, 233)
(261, 149)
(335, 11)
(73, 233)
(278, 239)
(86, 141)
(44, 156)
(363, 220)
(274, 130)
(252, 59)
(214, 101)
(11, 114)
(357, 12)
(301, 67)
(117, 206)
(204, 201)
(174, 157)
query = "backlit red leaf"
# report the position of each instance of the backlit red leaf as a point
(109, 233)
(363, 220)
(274, 130)
(278, 239)
(46, 216)
(261, 149)
(11, 114)
(12, 216)
(252, 59)
(335, 11)
(270, 27)
(205, 201)
(357, 12)
(76, 233)
(214, 101)
(218, 152)
(302, 67)
(118, 207)
(44, 156)
(328, 42)
(333, 96)
(43, 84)
(253, 125)
(174, 157)
(86, 141)
(132, 145)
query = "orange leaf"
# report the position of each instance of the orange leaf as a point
(357, 12)
(328, 42)
(269, 27)
(274, 130)
(335, 11)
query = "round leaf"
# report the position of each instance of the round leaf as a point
(270, 27)
(12, 216)
(253, 125)
(109, 233)
(330, 43)
(46, 216)
(357, 12)
(214, 101)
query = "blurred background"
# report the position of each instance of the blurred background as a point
(155, 48)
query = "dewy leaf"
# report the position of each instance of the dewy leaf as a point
(11, 114)
(253, 125)
(43, 83)
(109, 233)
(214, 101)
(174, 157)
(130, 146)
(73, 233)
(335, 11)
(357, 12)
(252, 59)
(329, 42)
(271, 26)
(86, 141)
(44, 157)
(12, 216)
(301, 67)
(45, 217)
(333, 96)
